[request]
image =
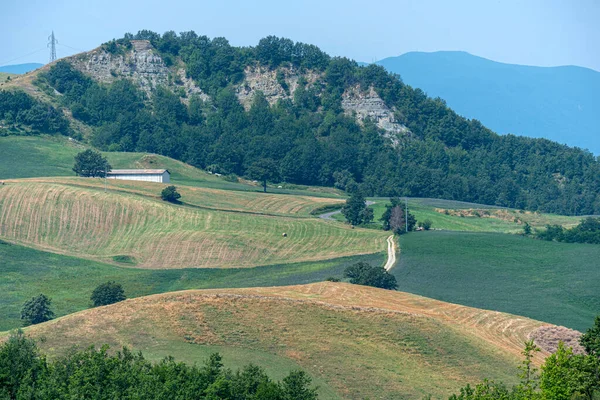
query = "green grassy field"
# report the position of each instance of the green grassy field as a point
(547, 281)
(50, 156)
(471, 217)
(338, 333)
(69, 281)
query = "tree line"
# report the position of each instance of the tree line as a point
(587, 231)
(308, 139)
(93, 373)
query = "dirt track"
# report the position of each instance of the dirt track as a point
(391, 249)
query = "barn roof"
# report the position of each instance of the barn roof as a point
(136, 171)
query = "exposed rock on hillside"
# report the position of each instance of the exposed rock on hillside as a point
(368, 104)
(141, 64)
(265, 80)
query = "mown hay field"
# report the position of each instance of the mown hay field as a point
(93, 224)
(208, 198)
(362, 342)
(69, 281)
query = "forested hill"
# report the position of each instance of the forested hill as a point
(558, 103)
(288, 111)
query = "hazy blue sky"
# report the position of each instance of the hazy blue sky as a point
(532, 32)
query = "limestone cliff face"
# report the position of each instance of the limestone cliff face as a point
(368, 104)
(141, 64)
(265, 80)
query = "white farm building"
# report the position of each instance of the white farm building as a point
(147, 175)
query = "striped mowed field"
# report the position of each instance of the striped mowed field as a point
(210, 198)
(89, 223)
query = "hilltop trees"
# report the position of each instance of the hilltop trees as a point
(107, 293)
(19, 108)
(90, 163)
(309, 136)
(37, 310)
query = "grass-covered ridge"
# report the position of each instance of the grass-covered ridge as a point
(547, 281)
(69, 281)
(93, 224)
(362, 342)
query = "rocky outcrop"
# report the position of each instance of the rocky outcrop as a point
(265, 80)
(368, 105)
(142, 64)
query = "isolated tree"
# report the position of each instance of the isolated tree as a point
(107, 293)
(90, 163)
(170, 194)
(263, 170)
(37, 310)
(526, 229)
(364, 274)
(355, 210)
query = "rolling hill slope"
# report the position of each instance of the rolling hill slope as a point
(558, 103)
(69, 281)
(362, 342)
(86, 222)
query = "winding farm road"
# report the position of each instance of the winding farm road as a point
(329, 215)
(391, 249)
(391, 260)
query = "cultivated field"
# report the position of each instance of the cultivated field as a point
(207, 198)
(69, 281)
(363, 342)
(548, 281)
(89, 223)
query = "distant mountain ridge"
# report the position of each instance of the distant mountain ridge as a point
(20, 68)
(558, 103)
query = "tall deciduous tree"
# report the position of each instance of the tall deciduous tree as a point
(263, 170)
(90, 163)
(355, 210)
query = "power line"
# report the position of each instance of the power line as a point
(14, 59)
(70, 47)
